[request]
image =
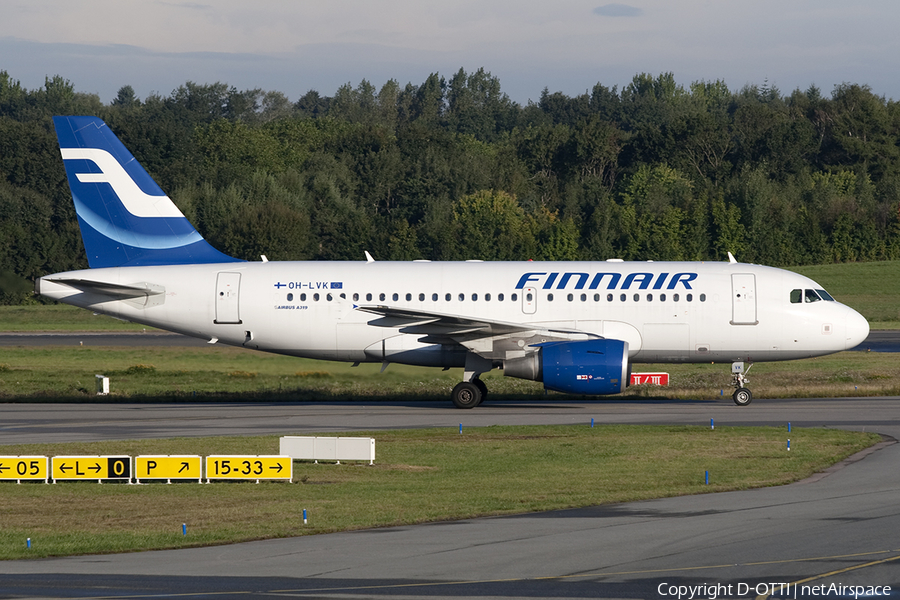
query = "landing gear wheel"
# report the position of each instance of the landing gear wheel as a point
(466, 395)
(481, 388)
(742, 396)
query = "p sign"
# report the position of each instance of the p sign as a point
(167, 467)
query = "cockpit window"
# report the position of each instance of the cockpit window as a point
(811, 296)
(798, 296)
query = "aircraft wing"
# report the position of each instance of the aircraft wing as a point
(486, 337)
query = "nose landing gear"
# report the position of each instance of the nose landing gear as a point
(742, 396)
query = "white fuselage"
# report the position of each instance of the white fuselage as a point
(667, 312)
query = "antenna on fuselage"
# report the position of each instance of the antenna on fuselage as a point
(731, 259)
(369, 258)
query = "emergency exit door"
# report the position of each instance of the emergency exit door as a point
(743, 299)
(228, 291)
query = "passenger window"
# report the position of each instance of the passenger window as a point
(316, 297)
(549, 297)
(487, 297)
(290, 297)
(702, 297)
(649, 297)
(355, 297)
(570, 297)
(596, 297)
(584, 297)
(474, 297)
(500, 298)
(623, 297)
(689, 297)
(434, 297)
(302, 297)
(343, 296)
(421, 297)
(662, 297)
(447, 298)
(796, 296)
(462, 297)
(676, 297)
(609, 297)
(368, 297)
(514, 297)
(637, 297)
(396, 296)
(408, 297)
(381, 296)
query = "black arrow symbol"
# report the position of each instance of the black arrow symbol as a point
(277, 468)
(184, 467)
(63, 467)
(96, 467)
(2, 468)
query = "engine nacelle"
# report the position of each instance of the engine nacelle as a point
(596, 367)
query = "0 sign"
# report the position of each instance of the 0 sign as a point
(23, 467)
(91, 467)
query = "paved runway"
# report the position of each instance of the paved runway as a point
(838, 529)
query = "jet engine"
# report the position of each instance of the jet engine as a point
(596, 367)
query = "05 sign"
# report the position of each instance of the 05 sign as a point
(24, 467)
(249, 467)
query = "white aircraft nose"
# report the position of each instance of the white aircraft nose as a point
(857, 329)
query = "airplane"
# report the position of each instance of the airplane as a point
(577, 327)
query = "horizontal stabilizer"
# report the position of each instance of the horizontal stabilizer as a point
(116, 290)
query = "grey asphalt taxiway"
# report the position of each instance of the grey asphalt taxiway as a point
(836, 529)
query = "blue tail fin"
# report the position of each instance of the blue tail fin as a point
(125, 219)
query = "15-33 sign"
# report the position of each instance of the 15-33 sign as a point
(249, 467)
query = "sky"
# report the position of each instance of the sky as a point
(568, 46)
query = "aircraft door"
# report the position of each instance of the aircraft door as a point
(529, 300)
(228, 289)
(743, 299)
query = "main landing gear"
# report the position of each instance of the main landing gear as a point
(741, 396)
(471, 391)
(469, 394)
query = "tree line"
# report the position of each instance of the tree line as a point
(452, 169)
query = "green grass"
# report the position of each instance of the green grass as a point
(420, 476)
(60, 317)
(873, 288)
(67, 374)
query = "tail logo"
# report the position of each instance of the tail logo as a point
(135, 200)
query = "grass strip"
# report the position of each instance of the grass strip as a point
(221, 373)
(420, 476)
